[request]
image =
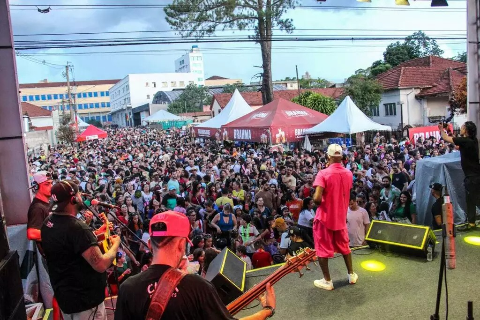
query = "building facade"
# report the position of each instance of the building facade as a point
(136, 90)
(91, 98)
(192, 62)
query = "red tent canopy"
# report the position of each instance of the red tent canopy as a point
(280, 121)
(92, 133)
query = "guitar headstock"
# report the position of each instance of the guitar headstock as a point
(301, 260)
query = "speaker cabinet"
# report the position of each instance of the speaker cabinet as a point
(402, 238)
(227, 273)
(12, 305)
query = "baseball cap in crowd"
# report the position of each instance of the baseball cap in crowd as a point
(42, 176)
(295, 231)
(436, 186)
(62, 192)
(334, 150)
(280, 222)
(172, 187)
(170, 224)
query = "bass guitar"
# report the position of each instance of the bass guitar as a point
(293, 264)
(105, 243)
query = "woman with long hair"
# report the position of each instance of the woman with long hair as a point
(210, 254)
(306, 216)
(131, 208)
(224, 222)
(135, 225)
(197, 196)
(404, 211)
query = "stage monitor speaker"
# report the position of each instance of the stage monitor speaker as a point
(227, 273)
(408, 239)
(12, 305)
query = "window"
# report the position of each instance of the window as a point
(87, 118)
(60, 96)
(90, 94)
(91, 105)
(98, 118)
(164, 84)
(109, 117)
(24, 98)
(68, 107)
(79, 95)
(375, 111)
(108, 104)
(103, 104)
(80, 106)
(104, 118)
(182, 83)
(390, 109)
(173, 84)
(84, 95)
(49, 97)
(200, 79)
(102, 93)
(97, 105)
(55, 97)
(44, 97)
(148, 96)
(107, 93)
(154, 84)
(30, 98)
(95, 94)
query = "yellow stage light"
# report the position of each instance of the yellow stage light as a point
(473, 240)
(402, 2)
(373, 265)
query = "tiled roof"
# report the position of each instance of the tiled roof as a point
(34, 111)
(418, 73)
(255, 98)
(216, 78)
(444, 85)
(42, 128)
(64, 84)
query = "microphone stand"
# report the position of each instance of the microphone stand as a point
(128, 229)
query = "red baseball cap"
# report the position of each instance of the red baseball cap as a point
(170, 224)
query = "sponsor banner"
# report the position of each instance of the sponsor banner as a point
(207, 133)
(92, 137)
(340, 141)
(425, 132)
(277, 135)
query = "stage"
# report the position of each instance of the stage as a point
(406, 289)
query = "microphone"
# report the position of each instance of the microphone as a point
(95, 202)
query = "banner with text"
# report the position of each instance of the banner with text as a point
(425, 132)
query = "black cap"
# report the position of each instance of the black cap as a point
(436, 186)
(295, 231)
(62, 192)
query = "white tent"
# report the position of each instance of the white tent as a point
(81, 123)
(162, 115)
(237, 107)
(348, 119)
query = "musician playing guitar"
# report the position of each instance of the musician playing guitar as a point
(75, 263)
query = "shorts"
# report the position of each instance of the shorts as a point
(327, 241)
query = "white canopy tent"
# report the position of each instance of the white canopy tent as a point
(237, 107)
(81, 123)
(162, 115)
(347, 119)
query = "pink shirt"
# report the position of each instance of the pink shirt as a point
(336, 182)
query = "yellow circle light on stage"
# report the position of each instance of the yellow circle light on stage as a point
(472, 240)
(373, 265)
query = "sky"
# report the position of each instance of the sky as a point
(331, 60)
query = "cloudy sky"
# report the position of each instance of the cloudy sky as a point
(333, 60)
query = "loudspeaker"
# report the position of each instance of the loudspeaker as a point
(227, 273)
(402, 238)
(12, 305)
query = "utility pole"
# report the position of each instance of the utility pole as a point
(69, 91)
(473, 56)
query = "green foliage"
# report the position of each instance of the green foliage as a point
(230, 88)
(316, 101)
(95, 122)
(192, 99)
(65, 132)
(364, 91)
(417, 45)
(199, 18)
(462, 57)
(314, 83)
(378, 67)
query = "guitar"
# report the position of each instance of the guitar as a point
(105, 243)
(294, 264)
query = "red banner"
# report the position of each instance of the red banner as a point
(425, 132)
(278, 135)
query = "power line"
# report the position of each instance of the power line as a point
(42, 62)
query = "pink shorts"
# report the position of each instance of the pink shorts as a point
(327, 241)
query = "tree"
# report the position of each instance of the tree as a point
(230, 88)
(462, 57)
(199, 18)
(65, 132)
(459, 101)
(316, 101)
(397, 53)
(365, 92)
(192, 99)
(95, 122)
(314, 83)
(378, 67)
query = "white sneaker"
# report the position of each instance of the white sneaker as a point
(323, 284)
(352, 278)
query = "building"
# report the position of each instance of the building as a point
(192, 62)
(254, 99)
(289, 84)
(91, 97)
(137, 90)
(217, 81)
(418, 91)
(38, 126)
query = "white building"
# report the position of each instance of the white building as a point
(418, 91)
(136, 90)
(192, 62)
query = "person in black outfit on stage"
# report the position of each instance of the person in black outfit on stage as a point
(436, 191)
(75, 263)
(194, 298)
(39, 208)
(468, 146)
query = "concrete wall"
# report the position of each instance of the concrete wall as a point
(35, 139)
(157, 107)
(392, 96)
(42, 121)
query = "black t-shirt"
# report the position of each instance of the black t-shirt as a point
(437, 211)
(37, 213)
(77, 286)
(296, 248)
(469, 155)
(194, 298)
(399, 180)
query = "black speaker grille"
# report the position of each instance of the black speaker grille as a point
(234, 270)
(399, 234)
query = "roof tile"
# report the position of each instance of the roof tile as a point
(34, 111)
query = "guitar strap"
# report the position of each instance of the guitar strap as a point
(167, 283)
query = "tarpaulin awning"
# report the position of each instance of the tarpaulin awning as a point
(162, 115)
(92, 133)
(280, 121)
(237, 107)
